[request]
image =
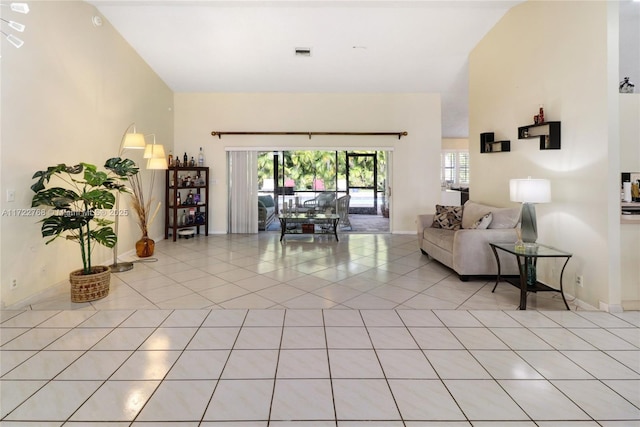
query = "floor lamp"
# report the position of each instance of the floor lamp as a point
(528, 192)
(156, 160)
(130, 141)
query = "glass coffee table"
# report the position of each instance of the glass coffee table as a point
(527, 258)
(306, 223)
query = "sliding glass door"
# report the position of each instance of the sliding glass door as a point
(299, 175)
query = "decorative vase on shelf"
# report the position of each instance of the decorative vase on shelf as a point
(145, 247)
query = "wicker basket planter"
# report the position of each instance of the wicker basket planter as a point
(90, 287)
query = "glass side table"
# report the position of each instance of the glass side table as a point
(527, 260)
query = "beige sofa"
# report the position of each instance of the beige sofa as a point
(464, 247)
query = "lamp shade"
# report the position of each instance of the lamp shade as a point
(157, 163)
(530, 190)
(133, 141)
(154, 151)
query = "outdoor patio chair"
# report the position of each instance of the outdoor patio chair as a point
(321, 202)
(342, 205)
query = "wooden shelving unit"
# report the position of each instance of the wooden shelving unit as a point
(186, 214)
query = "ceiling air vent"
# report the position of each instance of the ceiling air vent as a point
(303, 51)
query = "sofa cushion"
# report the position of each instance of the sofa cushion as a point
(501, 217)
(472, 212)
(440, 237)
(266, 201)
(505, 218)
(448, 217)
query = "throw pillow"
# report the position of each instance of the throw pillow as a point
(482, 223)
(448, 217)
(472, 212)
(505, 218)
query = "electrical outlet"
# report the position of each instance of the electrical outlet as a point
(14, 283)
(580, 281)
(11, 195)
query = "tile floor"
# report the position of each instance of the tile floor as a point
(370, 271)
(357, 333)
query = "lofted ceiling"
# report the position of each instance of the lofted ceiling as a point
(356, 46)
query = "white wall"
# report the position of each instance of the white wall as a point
(455, 143)
(67, 96)
(630, 132)
(630, 233)
(551, 53)
(416, 157)
(630, 42)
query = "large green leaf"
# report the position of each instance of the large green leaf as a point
(56, 225)
(45, 176)
(105, 236)
(57, 197)
(99, 199)
(121, 167)
(94, 178)
(101, 222)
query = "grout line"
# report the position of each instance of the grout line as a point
(206, 407)
(326, 349)
(275, 374)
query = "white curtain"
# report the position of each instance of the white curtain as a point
(390, 187)
(243, 191)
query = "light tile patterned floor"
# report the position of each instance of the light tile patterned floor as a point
(361, 271)
(315, 333)
(319, 368)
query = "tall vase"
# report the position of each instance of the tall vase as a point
(145, 247)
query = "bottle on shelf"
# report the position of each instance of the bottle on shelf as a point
(201, 158)
(192, 162)
(170, 159)
(541, 114)
(178, 201)
(185, 160)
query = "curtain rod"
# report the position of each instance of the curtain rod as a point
(398, 134)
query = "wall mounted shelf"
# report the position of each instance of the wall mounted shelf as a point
(548, 133)
(488, 144)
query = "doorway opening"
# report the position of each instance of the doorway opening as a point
(300, 179)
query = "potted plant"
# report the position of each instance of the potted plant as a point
(75, 215)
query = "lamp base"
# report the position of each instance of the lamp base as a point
(121, 266)
(529, 226)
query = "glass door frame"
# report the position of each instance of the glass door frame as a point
(364, 210)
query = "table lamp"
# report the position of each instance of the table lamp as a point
(529, 192)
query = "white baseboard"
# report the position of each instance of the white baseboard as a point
(610, 308)
(579, 303)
